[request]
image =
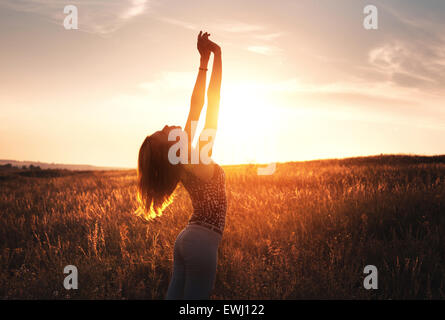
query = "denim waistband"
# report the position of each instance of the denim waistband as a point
(205, 224)
(201, 227)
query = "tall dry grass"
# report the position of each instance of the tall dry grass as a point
(305, 232)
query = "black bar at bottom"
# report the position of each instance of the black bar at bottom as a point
(223, 309)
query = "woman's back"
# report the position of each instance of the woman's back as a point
(208, 198)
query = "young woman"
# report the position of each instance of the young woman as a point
(196, 246)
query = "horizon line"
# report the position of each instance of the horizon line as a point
(110, 167)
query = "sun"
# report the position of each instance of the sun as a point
(246, 124)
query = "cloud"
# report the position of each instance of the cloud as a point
(178, 23)
(299, 86)
(417, 14)
(168, 81)
(238, 27)
(415, 64)
(225, 27)
(228, 27)
(413, 52)
(268, 36)
(136, 8)
(98, 16)
(264, 50)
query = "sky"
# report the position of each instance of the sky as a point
(301, 79)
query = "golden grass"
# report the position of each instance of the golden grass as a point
(305, 232)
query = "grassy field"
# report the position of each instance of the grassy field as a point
(305, 232)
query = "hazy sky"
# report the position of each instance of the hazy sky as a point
(301, 79)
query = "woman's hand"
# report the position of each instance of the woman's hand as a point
(216, 49)
(203, 45)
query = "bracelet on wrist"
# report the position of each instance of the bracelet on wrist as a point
(203, 69)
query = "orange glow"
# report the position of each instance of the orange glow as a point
(289, 91)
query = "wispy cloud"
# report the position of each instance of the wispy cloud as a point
(415, 64)
(413, 55)
(238, 27)
(136, 8)
(268, 36)
(169, 81)
(98, 16)
(225, 27)
(404, 65)
(178, 23)
(264, 50)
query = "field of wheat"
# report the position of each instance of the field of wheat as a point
(305, 232)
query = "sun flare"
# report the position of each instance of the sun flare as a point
(245, 124)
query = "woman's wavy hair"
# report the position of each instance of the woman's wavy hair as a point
(157, 180)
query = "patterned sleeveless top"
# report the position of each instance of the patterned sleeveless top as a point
(208, 199)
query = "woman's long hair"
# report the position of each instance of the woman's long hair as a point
(157, 179)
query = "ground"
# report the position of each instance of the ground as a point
(305, 232)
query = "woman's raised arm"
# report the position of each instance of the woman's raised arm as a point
(213, 94)
(198, 95)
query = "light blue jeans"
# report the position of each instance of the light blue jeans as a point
(194, 263)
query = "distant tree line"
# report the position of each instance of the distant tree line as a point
(10, 166)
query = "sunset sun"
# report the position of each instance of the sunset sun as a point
(247, 122)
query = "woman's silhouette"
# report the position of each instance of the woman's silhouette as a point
(196, 246)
